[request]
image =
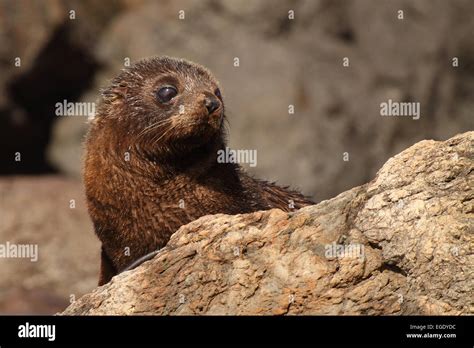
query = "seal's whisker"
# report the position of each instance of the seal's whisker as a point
(166, 132)
(153, 126)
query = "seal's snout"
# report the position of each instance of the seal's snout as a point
(212, 103)
(214, 110)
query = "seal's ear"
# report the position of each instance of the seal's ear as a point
(115, 92)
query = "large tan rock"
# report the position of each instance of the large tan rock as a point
(407, 248)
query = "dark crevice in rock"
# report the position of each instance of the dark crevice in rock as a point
(393, 268)
(63, 70)
(374, 245)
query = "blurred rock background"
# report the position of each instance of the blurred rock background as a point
(282, 62)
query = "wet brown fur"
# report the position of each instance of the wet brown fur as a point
(173, 159)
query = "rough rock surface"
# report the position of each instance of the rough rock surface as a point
(37, 210)
(413, 223)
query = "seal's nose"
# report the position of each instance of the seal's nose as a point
(212, 104)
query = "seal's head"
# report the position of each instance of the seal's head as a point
(164, 103)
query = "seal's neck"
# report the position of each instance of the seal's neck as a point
(189, 158)
(182, 157)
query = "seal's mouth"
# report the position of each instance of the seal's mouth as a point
(215, 118)
(204, 121)
(194, 128)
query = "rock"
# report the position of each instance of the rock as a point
(46, 56)
(401, 244)
(37, 210)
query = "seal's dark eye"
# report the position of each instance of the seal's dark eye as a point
(217, 92)
(165, 94)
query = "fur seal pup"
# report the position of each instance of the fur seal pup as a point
(151, 161)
